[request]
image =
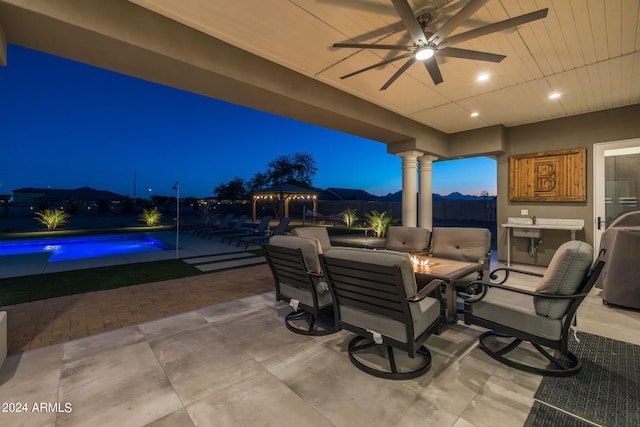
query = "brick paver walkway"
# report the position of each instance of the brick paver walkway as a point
(55, 320)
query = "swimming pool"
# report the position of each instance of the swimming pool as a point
(74, 248)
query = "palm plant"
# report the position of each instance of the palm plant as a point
(349, 217)
(150, 216)
(52, 218)
(379, 221)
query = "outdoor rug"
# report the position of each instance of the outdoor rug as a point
(605, 392)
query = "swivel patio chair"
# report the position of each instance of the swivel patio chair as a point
(259, 230)
(543, 317)
(319, 233)
(408, 239)
(298, 278)
(375, 296)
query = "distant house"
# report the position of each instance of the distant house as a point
(55, 197)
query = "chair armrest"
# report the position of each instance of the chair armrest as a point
(486, 285)
(311, 273)
(509, 270)
(431, 287)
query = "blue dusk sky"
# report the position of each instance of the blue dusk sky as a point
(64, 124)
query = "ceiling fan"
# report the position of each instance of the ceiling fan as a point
(428, 46)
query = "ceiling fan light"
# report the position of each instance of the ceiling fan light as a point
(424, 53)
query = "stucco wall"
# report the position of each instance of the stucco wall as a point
(577, 131)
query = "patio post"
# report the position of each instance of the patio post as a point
(425, 197)
(409, 187)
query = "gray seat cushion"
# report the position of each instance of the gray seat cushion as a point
(305, 296)
(319, 233)
(423, 314)
(408, 239)
(565, 274)
(517, 311)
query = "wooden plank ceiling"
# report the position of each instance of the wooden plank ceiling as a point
(587, 50)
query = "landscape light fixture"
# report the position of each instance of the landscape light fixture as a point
(176, 187)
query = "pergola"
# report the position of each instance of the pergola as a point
(284, 194)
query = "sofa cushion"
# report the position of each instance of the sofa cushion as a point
(461, 243)
(408, 239)
(565, 274)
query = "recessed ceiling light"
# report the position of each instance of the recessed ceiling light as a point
(474, 114)
(554, 95)
(482, 77)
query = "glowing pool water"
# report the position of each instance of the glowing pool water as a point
(74, 248)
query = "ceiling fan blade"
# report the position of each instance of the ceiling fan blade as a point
(374, 46)
(410, 21)
(401, 70)
(379, 64)
(434, 70)
(456, 20)
(454, 52)
(498, 26)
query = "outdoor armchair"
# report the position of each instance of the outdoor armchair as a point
(375, 296)
(299, 280)
(542, 317)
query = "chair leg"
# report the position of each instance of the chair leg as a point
(313, 326)
(361, 344)
(556, 368)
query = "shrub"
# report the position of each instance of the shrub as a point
(379, 221)
(150, 216)
(349, 217)
(52, 218)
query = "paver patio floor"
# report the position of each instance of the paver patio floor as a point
(41, 323)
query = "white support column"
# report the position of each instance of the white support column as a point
(425, 193)
(409, 188)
